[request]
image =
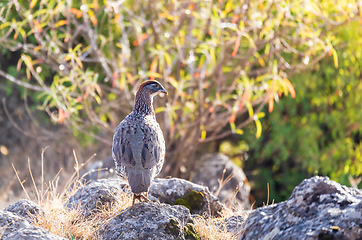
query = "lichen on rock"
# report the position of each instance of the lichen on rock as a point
(191, 233)
(194, 201)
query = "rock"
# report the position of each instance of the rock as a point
(96, 195)
(13, 226)
(233, 224)
(317, 209)
(98, 170)
(173, 191)
(196, 198)
(25, 208)
(210, 169)
(150, 221)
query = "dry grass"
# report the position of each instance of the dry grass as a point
(213, 228)
(61, 221)
(70, 224)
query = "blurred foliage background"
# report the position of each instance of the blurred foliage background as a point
(279, 80)
(318, 132)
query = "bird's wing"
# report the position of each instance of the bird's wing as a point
(122, 148)
(160, 151)
(153, 151)
(138, 146)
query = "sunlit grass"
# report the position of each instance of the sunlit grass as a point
(71, 224)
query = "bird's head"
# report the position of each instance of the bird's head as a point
(144, 96)
(152, 87)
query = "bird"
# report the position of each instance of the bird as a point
(138, 148)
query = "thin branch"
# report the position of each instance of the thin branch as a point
(21, 83)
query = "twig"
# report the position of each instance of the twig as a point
(21, 83)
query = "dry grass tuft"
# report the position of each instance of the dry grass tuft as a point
(63, 222)
(213, 229)
(70, 224)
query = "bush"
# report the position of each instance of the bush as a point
(319, 133)
(221, 61)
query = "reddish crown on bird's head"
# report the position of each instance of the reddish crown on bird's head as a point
(144, 96)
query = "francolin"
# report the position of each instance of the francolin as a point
(138, 144)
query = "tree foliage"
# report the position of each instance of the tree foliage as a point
(221, 61)
(320, 132)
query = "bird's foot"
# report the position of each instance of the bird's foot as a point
(139, 196)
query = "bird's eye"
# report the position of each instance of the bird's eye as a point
(156, 85)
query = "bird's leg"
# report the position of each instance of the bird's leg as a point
(133, 200)
(139, 197)
(136, 196)
(145, 198)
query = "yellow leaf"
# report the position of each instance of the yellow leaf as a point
(261, 62)
(28, 73)
(203, 132)
(260, 115)
(28, 61)
(160, 109)
(233, 127)
(290, 87)
(95, 4)
(76, 12)
(79, 62)
(98, 88)
(37, 48)
(60, 23)
(67, 58)
(239, 131)
(32, 4)
(97, 98)
(154, 75)
(258, 128)
(335, 57)
(123, 83)
(250, 108)
(129, 77)
(168, 59)
(6, 24)
(92, 18)
(37, 25)
(116, 18)
(228, 7)
(173, 82)
(213, 57)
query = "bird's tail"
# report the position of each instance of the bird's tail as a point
(139, 179)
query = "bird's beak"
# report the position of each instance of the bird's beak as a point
(163, 91)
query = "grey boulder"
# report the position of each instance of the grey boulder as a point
(150, 221)
(317, 209)
(210, 169)
(176, 191)
(233, 224)
(25, 208)
(96, 196)
(13, 226)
